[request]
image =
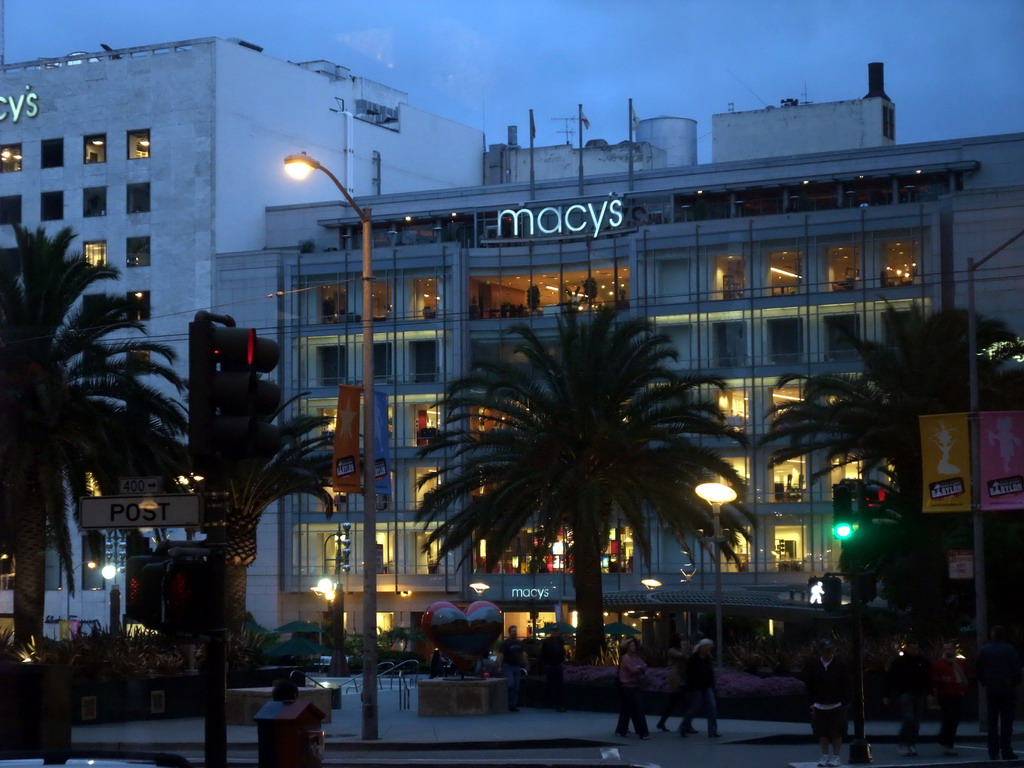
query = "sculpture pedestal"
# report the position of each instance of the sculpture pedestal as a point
(472, 696)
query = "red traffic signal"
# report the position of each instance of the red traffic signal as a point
(230, 406)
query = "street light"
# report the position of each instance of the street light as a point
(299, 167)
(717, 494)
(69, 580)
(342, 552)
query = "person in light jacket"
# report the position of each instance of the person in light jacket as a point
(632, 669)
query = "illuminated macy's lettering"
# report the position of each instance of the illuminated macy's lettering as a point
(14, 107)
(528, 593)
(591, 218)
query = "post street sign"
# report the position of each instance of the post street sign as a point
(141, 511)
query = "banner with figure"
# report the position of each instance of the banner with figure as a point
(1001, 436)
(946, 462)
(345, 477)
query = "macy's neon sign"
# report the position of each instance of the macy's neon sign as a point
(578, 218)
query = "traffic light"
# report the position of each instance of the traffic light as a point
(170, 595)
(844, 521)
(229, 405)
(871, 502)
(144, 576)
(345, 547)
(832, 593)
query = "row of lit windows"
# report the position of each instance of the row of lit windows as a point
(94, 203)
(94, 150)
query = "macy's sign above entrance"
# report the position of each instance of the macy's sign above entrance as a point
(577, 219)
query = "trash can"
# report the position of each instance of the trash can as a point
(289, 735)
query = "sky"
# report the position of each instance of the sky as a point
(954, 68)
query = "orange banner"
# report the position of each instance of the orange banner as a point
(946, 462)
(346, 477)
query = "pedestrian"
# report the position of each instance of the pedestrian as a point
(632, 670)
(678, 654)
(949, 681)
(908, 682)
(512, 659)
(436, 665)
(828, 687)
(552, 656)
(998, 668)
(700, 677)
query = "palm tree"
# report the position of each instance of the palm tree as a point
(74, 403)
(302, 465)
(595, 428)
(871, 418)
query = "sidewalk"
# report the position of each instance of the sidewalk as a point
(534, 737)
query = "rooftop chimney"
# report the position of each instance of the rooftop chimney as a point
(876, 80)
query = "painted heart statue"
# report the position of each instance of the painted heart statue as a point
(465, 637)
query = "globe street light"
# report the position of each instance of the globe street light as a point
(299, 167)
(717, 494)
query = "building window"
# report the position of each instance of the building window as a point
(138, 144)
(51, 206)
(138, 197)
(51, 154)
(138, 305)
(94, 148)
(785, 340)
(423, 358)
(383, 361)
(94, 201)
(331, 368)
(137, 252)
(785, 272)
(10, 158)
(843, 267)
(729, 343)
(899, 263)
(333, 302)
(729, 278)
(841, 330)
(10, 209)
(95, 252)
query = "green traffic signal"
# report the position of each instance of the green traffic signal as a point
(843, 530)
(843, 516)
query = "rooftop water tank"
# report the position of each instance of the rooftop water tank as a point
(676, 135)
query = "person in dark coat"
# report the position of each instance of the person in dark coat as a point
(700, 677)
(998, 669)
(828, 686)
(552, 656)
(908, 682)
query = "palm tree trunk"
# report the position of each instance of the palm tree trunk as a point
(586, 579)
(30, 576)
(236, 579)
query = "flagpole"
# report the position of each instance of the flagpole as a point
(533, 178)
(580, 118)
(631, 147)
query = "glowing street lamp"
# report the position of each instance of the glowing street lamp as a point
(717, 494)
(299, 167)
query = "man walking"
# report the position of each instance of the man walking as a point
(552, 655)
(511, 650)
(908, 682)
(829, 689)
(998, 668)
(949, 679)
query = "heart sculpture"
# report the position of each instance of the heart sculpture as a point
(464, 637)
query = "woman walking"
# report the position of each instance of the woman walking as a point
(700, 675)
(631, 676)
(678, 655)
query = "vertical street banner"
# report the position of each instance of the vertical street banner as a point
(381, 443)
(345, 477)
(1001, 437)
(946, 462)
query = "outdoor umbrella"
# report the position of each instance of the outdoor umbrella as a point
(617, 629)
(298, 626)
(563, 626)
(298, 646)
(253, 626)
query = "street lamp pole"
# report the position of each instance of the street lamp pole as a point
(299, 166)
(717, 494)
